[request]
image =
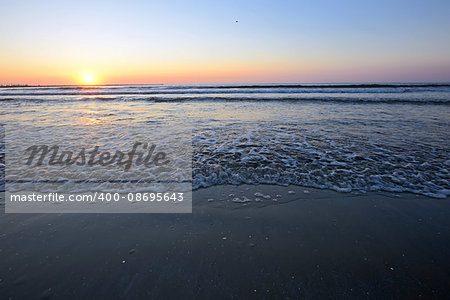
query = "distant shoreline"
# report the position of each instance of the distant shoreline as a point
(250, 86)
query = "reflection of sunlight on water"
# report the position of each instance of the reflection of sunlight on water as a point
(92, 112)
(93, 117)
(92, 121)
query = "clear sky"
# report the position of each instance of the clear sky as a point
(66, 42)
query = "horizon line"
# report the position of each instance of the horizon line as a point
(374, 83)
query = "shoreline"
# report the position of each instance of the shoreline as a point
(355, 192)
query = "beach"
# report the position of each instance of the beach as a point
(308, 243)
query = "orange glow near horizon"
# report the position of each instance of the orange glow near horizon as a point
(209, 71)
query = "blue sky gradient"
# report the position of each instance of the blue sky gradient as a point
(200, 41)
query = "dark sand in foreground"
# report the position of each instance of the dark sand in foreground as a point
(315, 244)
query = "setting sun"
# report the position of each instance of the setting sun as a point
(88, 79)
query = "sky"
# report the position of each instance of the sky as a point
(200, 42)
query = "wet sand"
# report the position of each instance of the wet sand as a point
(308, 243)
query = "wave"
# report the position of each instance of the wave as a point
(322, 86)
(216, 91)
(223, 89)
(369, 100)
(284, 156)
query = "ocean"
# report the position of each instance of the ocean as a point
(350, 138)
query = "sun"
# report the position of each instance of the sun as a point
(88, 79)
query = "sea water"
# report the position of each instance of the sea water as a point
(348, 138)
